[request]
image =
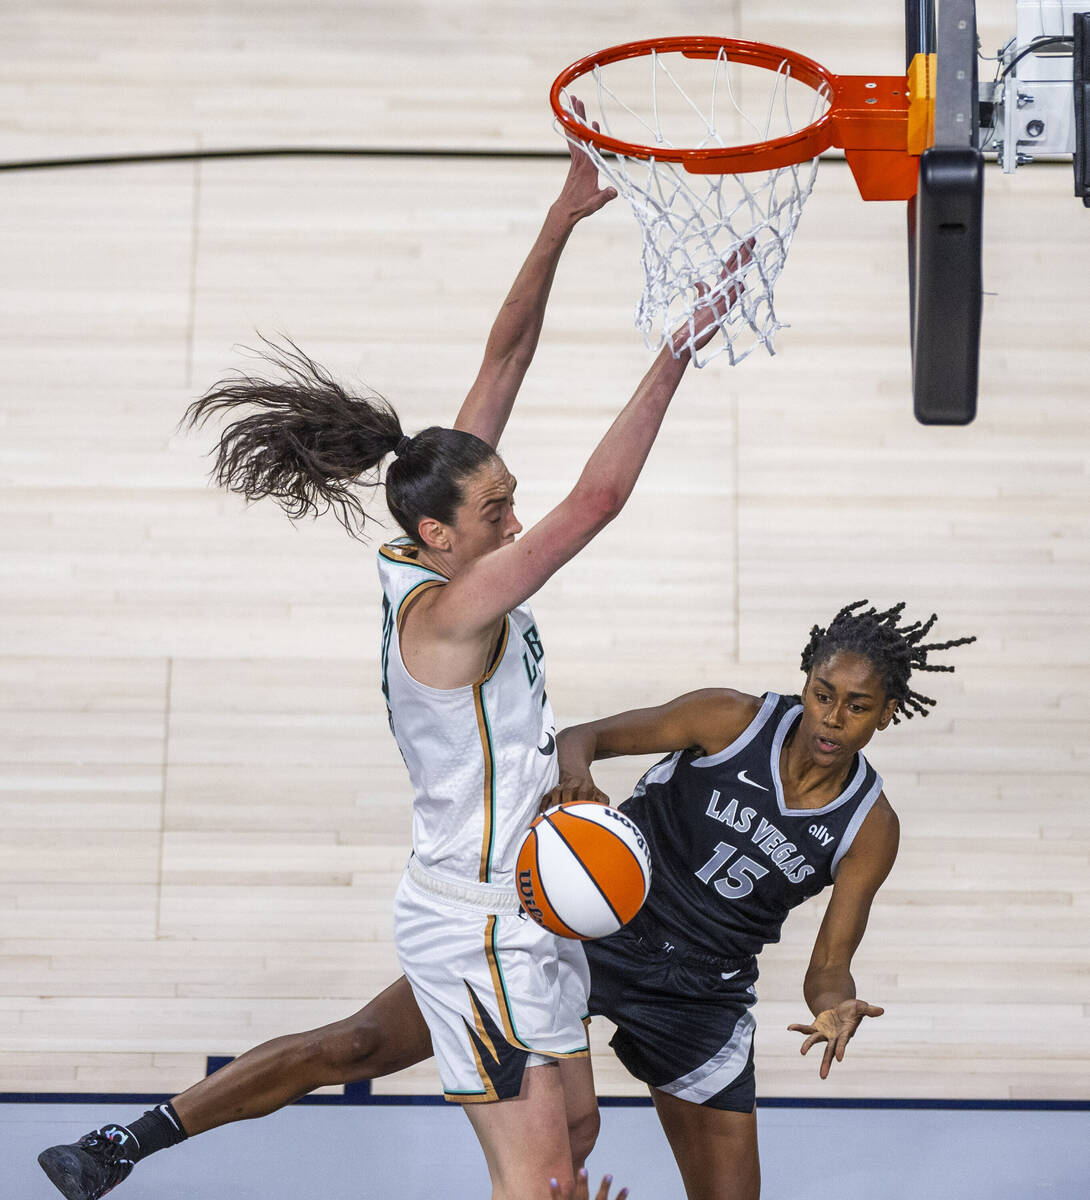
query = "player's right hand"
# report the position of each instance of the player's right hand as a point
(569, 790)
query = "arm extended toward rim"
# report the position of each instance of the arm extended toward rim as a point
(499, 581)
(514, 336)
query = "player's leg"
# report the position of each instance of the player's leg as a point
(525, 1138)
(581, 1107)
(387, 1035)
(684, 1026)
(716, 1150)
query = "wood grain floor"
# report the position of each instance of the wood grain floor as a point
(203, 814)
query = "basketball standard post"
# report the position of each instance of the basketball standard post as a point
(1081, 82)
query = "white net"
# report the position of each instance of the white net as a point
(693, 223)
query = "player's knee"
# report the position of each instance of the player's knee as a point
(346, 1052)
(583, 1129)
(362, 1048)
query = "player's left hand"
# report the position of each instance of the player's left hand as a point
(581, 193)
(582, 1189)
(836, 1027)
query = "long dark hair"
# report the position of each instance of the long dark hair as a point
(895, 650)
(309, 443)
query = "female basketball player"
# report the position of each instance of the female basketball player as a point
(761, 803)
(463, 676)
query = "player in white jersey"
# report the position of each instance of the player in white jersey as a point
(504, 1000)
(498, 992)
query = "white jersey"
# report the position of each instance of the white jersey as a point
(480, 757)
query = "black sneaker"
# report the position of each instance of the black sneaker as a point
(95, 1165)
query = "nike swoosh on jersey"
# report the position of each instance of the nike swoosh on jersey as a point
(752, 782)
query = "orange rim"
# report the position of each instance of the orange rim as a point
(795, 147)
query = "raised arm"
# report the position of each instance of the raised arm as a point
(504, 578)
(829, 987)
(513, 340)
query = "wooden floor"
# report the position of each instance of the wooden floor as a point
(203, 814)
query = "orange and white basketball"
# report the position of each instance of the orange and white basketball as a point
(583, 870)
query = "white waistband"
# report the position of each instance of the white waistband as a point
(486, 896)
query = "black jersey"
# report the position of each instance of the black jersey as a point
(729, 858)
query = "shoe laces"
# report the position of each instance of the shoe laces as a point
(110, 1142)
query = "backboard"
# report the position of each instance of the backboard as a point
(1037, 108)
(944, 217)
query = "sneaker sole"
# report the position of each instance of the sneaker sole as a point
(63, 1169)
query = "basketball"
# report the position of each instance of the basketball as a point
(583, 870)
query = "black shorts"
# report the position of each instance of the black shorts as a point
(684, 1021)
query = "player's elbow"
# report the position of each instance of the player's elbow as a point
(598, 503)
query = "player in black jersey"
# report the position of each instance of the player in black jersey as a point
(760, 803)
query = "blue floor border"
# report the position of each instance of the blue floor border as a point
(360, 1094)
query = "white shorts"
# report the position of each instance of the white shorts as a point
(498, 992)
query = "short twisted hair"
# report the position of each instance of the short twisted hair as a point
(895, 651)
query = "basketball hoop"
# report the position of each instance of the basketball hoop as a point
(714, 142)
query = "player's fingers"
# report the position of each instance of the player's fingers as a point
(603, 1188)
(872, 1010)
(811, 1041)
(802, 1029)
(827, 1060)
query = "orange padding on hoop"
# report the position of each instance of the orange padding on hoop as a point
(921, 103)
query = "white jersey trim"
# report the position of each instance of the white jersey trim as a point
(721, 1070)
(788, 720)
(660, 773)
(744, 738)
(854, 825)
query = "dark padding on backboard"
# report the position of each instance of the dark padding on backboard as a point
(948, 289)
(1081, 78)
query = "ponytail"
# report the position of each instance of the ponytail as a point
(309, 441)
(306, 444)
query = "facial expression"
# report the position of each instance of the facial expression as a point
(844, 705)
(484, 521)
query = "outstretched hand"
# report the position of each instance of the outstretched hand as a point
(711, 309)
(581, 191)
(836, 1027)
(581, 1190)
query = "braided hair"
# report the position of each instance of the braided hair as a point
(895, 651)
(309, 443)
